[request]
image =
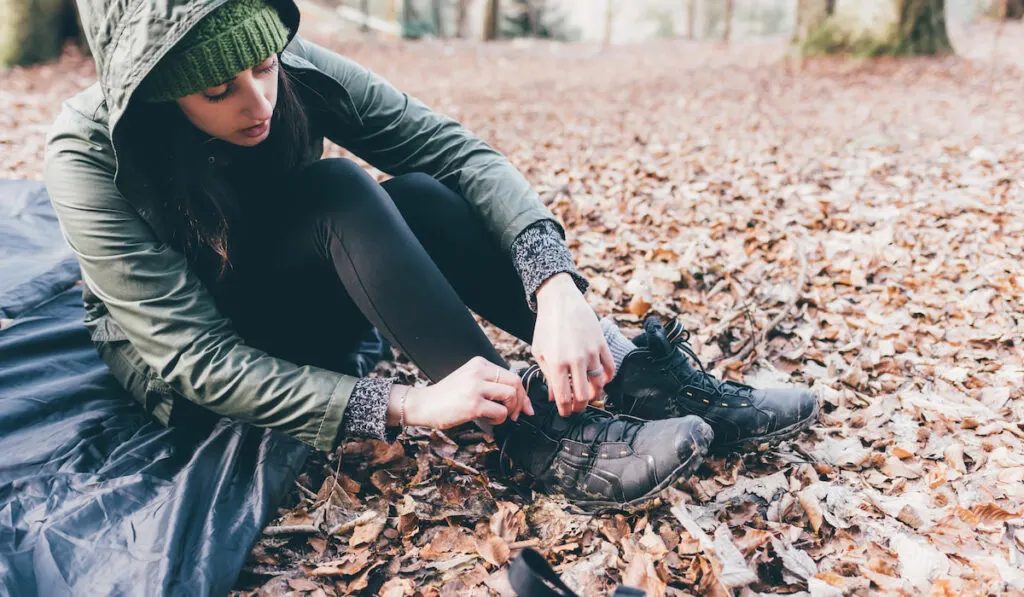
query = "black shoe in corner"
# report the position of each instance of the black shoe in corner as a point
(597, 460)
(657, 381)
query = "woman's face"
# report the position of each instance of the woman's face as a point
(237, 111)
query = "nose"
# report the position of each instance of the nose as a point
(260, 107)
(259, 103)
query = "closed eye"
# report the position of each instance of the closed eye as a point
(268, 66)
(219, 96)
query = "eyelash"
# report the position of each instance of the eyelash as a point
(216, 98)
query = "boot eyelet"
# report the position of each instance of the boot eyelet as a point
(707, 402)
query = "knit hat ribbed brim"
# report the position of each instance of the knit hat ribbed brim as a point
(234, 37)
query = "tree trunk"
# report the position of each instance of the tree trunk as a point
(437, 16)
(31, 31)
(492, 12)
(1014, 10)
(365, 7)
(873, 27)
(410, 20)
(461, 8)
(691, 18)
(728, 21)
(609, 13)
(1006, 9)
(535, 8)
(810, 16)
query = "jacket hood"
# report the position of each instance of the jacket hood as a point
(127, 39)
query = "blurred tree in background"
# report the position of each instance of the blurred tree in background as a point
(534, 18)
(1010, 10)
(35, 30)
(872, 27)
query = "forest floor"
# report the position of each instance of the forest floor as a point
(860, 224)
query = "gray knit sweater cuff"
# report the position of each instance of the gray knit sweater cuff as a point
(539, 252)
(367, 411)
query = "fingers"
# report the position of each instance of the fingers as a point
(581, 387)
(494, 413)
(524, 398)
(527, 403)
(521, 402)
(505, 376)
(596, 382)
(607, 367)
(607, 362)
(558, 384)
(506, 395)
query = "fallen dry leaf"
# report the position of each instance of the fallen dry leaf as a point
(695, 180)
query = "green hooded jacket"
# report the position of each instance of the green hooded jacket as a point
(152, 320)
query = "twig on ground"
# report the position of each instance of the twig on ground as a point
(348, 526)
(295, 529)
(534, 542)
(309, 493)
(760, 339)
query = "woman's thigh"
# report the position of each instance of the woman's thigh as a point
(464, 250)
(287, 300)
(294, 303)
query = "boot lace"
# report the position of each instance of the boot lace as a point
(579, 424)
(680, 338)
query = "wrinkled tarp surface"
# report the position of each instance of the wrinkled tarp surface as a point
(94, 498)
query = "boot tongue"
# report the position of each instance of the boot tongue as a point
(660, 342)
(656, 340)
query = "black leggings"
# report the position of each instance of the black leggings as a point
(406, 256)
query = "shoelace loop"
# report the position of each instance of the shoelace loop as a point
(579, 422)
(631, 427)
(707, 381)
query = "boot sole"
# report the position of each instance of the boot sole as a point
(771, 439)
(701, 449)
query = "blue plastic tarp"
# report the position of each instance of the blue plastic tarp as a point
(95, 499)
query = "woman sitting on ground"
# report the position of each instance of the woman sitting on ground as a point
(230, 271)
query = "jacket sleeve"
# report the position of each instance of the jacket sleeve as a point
(398, 134)
(168, 315)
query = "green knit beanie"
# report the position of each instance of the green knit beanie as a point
(234, 37)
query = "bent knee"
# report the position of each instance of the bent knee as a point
(417, 194)
(332, 173)
(336, 191)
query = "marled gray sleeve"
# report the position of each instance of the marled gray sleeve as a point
(366, 414)
(539, 253)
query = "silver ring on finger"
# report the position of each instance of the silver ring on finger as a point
(594, 372)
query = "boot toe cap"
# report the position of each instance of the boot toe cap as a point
(791, 406)
(695, 436)
(805, 405)
(675, 445)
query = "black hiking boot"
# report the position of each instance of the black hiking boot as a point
(657, 381)
(597, 460)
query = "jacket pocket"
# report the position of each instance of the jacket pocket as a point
(105, 329)
(143, 384)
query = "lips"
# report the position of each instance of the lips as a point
(256, 130)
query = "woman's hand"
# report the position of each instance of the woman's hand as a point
(477, 390)
(567, 343)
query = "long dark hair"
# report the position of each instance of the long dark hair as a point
(201, 205)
